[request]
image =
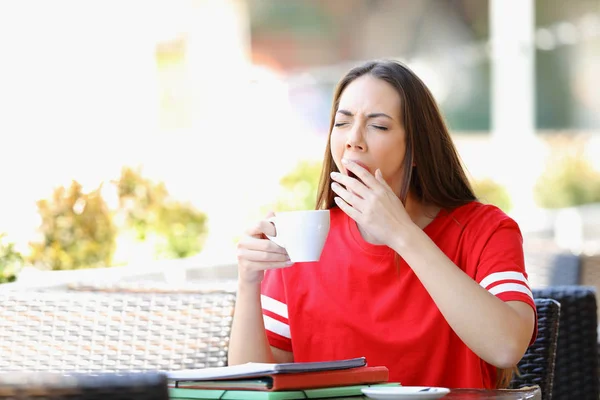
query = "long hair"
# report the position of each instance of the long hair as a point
(438, 178)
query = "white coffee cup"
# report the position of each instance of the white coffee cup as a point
(301, 233)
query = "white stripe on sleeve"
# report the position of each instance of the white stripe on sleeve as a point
(275, 306)
(503, 276)
(277, 327)
(511, 287)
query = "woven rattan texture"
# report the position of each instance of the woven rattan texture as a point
(537, 365)
(113, 332)
(576, 369)
(113, 386)
(154, 287)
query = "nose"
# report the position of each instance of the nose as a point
(356, 139)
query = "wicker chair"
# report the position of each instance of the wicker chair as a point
(54, 386)
(153, 287)
(537, 365)
(576, 369)
(94, 332)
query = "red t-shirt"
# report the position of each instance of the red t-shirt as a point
(362, 299)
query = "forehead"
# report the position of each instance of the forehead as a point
(368, 94)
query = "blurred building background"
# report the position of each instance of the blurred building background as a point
(219, 111)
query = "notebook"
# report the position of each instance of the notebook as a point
(337, 392)
(250, 370)
(296, 381)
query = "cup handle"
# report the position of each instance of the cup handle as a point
(274, 239)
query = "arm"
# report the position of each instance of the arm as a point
(498, 332)
(504, 329)
(248, 340)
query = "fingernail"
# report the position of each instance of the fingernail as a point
(334, 174)
(288, 263)
(344, 161)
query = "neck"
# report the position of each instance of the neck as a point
(421, 215)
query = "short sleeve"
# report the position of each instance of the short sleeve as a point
(275, 310)
(501, 267)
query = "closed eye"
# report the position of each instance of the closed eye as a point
(381, 128)
(338, 124)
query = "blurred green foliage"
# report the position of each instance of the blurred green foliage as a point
(11, 260)
(77, 230)
(140, 201)
(149, 210)
(182, 228)
(491, 192)
(299, 187)
(569, 180)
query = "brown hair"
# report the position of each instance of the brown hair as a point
(439, 178)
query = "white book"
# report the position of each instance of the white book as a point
(250, 370)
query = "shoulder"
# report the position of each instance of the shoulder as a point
(479, 217)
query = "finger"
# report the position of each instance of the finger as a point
(262, 266)
(348, 209)
(269, 214)
(266, 245)
(350, 183)
(264, 227)
(262, 256)
(348, 196)
(268, 228)
(362, 173)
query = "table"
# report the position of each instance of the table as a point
(530, 393)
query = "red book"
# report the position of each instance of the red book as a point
(295, 381)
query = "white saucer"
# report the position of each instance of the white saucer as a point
(405, 392)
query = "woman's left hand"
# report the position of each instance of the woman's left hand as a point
(371, 203)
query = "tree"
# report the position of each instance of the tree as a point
(299, 187)
(148, 209)
(569, 180)
(11, 260)
(76, 229)
(491, 192)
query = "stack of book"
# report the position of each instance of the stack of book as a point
(287, 381)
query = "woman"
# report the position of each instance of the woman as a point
(416, 274)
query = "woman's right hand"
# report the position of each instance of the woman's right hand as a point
(256, 253)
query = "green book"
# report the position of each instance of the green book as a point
(324, 393)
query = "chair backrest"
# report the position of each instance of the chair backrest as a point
(91, 332)
(576, 369)
(565, 269)
(152, 287)
(537, 365)
(55, 386)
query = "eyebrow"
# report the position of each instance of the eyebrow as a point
(372, 115)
